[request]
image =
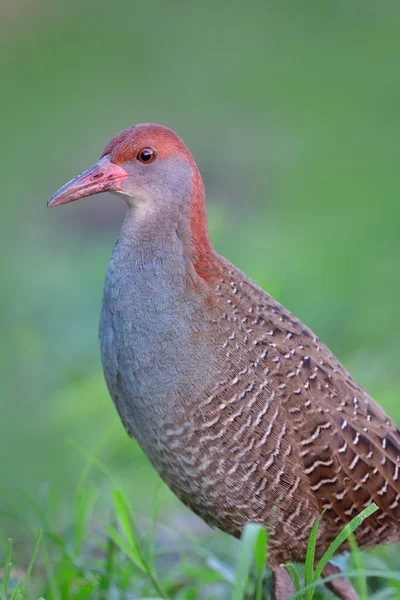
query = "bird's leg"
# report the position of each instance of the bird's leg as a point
(282, 584)
(341, 586)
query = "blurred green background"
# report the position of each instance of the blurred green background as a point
(292, 111)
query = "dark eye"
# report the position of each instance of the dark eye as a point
(146, 155)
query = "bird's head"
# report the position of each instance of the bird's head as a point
(152, 169)
(145, 163)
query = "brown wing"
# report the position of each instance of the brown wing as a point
(302, 429)
(349, 447)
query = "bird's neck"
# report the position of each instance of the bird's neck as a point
(156, 245)
(154, 306)
(156, 269)
(172, 234)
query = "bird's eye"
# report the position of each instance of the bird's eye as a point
(146, 155)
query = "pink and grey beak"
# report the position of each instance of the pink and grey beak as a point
(102, 177)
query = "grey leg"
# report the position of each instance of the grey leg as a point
(341, 586)
(282, 584)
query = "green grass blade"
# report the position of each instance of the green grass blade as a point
(386, 574)
(310, 557)
(126, 525)
(85, 591)
(296, 579)
(107, 577)
(16, 595)
(379, 573)
(84, 507)
(253, 546)
(33, 557)
(49, 569)
(126, 548)
(151, 535)
(131, 547)
(343, 535)
(7, 567)
(361, 579)
(92, 458)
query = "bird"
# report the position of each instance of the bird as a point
(246, 415)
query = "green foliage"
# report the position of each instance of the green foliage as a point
(253, 548)
(129, 545)
(357, 560)
(110, 562)
(20, 590)
(313, 576)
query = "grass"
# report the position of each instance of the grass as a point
(117, 561)
(20, 590)
(313, 576)
(253, 548)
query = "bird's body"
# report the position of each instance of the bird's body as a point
(238, 405)
(245, 414)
